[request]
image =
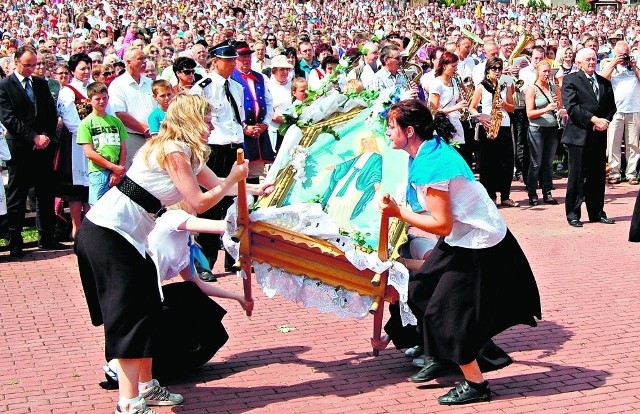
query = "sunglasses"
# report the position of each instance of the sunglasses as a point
(107, 73)
(62, 73)
(496, 68)
(188, 71)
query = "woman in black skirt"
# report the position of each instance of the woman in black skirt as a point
(476, 282)
(118, 277)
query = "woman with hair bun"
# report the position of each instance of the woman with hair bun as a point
(476, 282)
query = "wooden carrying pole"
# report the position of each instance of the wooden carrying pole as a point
(377, 307)
(242, 234)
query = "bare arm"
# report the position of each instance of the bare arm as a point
(440, 222)
(179, 169)
(215, 291)
(133, 124)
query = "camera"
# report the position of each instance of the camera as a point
(625, 57)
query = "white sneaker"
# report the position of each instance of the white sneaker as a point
(160, 396)
(413, 352)
(140, 408)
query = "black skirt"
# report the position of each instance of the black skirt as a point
(467, 296)
(190, 331)
(121, 289)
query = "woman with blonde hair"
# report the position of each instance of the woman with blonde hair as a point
(118, 277)
(543, 103)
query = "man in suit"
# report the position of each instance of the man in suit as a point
(589, 101)
(28, 112)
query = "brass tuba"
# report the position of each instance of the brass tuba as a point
(417, 42)
(525, 39)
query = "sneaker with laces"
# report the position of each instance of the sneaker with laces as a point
(140, 408)
(160, 396)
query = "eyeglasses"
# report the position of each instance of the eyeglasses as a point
(41, 64)
(496, 68)
(62, 73)
(188, 71)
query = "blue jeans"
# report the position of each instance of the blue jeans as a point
(543, 142)
(98, 185)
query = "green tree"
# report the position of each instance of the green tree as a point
(584, 6)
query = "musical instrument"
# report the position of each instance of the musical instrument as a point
(415, 44)
(525, 39)
(554, 98)
(466, 93)
(496, 112)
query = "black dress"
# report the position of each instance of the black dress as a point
(466, 296)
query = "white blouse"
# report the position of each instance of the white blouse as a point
(477, 224)
(119, 213)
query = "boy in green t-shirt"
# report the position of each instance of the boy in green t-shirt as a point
(102, 138)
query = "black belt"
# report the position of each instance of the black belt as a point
(232, 146)
(140, 196)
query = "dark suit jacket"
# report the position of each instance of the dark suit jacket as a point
(581, 104)
(22, 119)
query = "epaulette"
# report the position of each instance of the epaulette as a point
(204, 82)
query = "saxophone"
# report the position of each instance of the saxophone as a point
(466, 93)
(496, 112)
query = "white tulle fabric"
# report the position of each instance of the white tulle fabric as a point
(309, 219)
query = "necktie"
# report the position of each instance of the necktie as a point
(232, 101)
(594, 86)
(247, 76)
(29, 90)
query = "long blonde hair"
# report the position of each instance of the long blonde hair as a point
(184, 123)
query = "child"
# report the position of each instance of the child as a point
(163, 94)
(299, 90)
(170, 245)
(102, 138)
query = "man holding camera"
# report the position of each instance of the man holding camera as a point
(624, 75)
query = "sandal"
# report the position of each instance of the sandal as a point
(509, 203)
(634, 181)
(614, 180)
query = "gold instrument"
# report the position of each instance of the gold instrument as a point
(415, 44)
(496, 112)
(466, 93)
(525, 39)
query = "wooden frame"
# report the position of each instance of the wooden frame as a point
(298, 254)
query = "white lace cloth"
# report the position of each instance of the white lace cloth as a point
(309, 219)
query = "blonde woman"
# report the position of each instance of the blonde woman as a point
(543, 102)
(118, 277)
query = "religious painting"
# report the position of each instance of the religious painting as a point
(346, 164)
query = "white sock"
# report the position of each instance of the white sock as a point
(128, 404)
(143, 386)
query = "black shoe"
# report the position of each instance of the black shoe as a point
(533, 201)
(603, 220)
(550, 200)
(16, 252)
(575, 223)
(464, 393)
(431, 370)
(207, 276)
(52, 245)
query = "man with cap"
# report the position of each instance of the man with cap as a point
(226, 97)
(280, 87)
(258, 107)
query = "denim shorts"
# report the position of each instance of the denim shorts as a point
(98, 185)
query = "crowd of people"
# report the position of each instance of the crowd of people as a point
(521, 90)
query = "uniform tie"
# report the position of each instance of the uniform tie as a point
(232, 101)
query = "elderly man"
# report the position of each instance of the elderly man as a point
(131, 99)
(389, 76)
(369, 66)
(624, 75)
(589, 100)
(258, 106)
(226, 97)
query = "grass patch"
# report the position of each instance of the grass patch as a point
(29, 234)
